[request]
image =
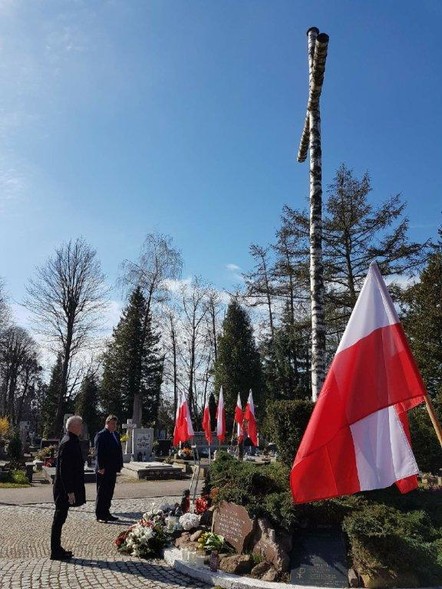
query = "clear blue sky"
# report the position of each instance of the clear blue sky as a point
(123, 117)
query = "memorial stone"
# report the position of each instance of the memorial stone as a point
(233, 522)
(143, 442)
(319, 560)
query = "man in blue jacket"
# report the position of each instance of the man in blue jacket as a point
(69, 490)
(109, 461)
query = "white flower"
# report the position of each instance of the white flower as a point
(189, 521)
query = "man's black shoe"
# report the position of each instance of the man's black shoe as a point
(61, 555)
(112, 518)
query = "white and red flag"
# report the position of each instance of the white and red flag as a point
(239, 419)
(357, 438)
(183, 424)
(220, 417)
(249, 416)
(207, 428)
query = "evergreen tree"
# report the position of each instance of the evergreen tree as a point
(286, 360)
(86, 404)
(238, 365)
(422, 306)
(51, 400)
(355, 233)
(132, 364)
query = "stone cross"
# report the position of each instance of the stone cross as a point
(129, 426)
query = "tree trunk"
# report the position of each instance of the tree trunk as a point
(317, 51)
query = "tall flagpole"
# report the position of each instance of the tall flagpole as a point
(311, 139)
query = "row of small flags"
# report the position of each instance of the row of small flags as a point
(245, 421)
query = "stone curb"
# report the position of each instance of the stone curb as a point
(225, 580)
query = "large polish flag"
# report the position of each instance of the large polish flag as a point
(239, 419)
(249, 416)
(358, 437)
(220, 417)
(183, 424)
(207, 428)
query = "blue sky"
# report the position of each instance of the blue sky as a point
(123, 117)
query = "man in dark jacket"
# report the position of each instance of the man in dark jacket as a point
(109, 461)
(69, 487)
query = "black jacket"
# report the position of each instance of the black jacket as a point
(69, 471)
(108, 451)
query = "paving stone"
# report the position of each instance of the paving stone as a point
(24, 550)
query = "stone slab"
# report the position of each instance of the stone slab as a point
(319, 559)
(49, 473)
(151, 470)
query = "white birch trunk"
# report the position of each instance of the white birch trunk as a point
(317, 50)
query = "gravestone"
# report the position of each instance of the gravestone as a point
(233, 522)
(142, 442)
(319, 559)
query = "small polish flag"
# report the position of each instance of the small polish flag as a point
(183, 424)
(239, 418)
(249, 416)
(220, 417)
(206, 423)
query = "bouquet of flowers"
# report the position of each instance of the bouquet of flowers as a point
(148, 537)
(188, 521)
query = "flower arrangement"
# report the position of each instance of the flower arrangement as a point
(202, 504)
(210, 541)
(152, 533)
(188, 521)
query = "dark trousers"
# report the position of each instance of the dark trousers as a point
(60, 515)
(105, 492)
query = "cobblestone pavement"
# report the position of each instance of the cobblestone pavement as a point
(24, 550)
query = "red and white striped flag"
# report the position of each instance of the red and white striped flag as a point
(357, 438)
(220, 417)
(207, 428)
(239, 418)
(249, 416)
(183, 424)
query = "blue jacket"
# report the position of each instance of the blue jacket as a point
(108, 451)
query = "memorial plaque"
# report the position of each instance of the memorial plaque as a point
(143, 442)
(319, 559)
(233, 522)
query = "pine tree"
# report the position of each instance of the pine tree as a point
(286, 360)
(86, 404)
(132, 364)
(422, 304)
(238, 365)
(51, 400)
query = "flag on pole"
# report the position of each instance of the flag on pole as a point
(357, 438)
(183, 424)
(239, 418)
(249, 416)
(206, 423)
(220, 417)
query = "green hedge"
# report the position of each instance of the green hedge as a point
(285, 424)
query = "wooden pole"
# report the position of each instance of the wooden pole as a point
(433, 417)
(311, 139)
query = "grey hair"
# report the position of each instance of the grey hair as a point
(73, 419)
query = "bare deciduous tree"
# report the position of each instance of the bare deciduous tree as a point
(67, 298)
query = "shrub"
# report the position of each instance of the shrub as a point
(262, 489)
(385, 540)
(285, 425)
(4, 427)
(15, 449)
